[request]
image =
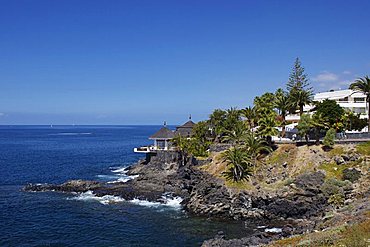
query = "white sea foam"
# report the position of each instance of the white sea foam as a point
(171, 202)
(121, 175)
(261, 227)
(123, 179)
(166, 201)
(107, 177)
(90, 196)
(274, 230)
(120, 170)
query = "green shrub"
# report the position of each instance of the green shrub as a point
(351, 174)
(336, 200)
(334, 186)
(329, 138)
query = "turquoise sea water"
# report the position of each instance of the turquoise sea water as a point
(41, 154)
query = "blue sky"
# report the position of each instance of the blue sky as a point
(142, 62)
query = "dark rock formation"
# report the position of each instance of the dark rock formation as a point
(206, 195)
(345, 158)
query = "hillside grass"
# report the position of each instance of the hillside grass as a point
(285, 153)
(336, 151)
(363, 148)
(287, 162)
(346, 235)
(332, 170)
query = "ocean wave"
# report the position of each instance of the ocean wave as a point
(166, 201)
(121, 175)
(119, 169)
(90, 196)
(274, 230)
(123, 179)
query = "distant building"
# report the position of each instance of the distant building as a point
(348, 99)
(186, 129)
(162, 138)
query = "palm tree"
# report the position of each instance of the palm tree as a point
(300, 98)
(237, 134)
(267, 128)
(250, 114)
(318, 121)
(282, 104)
(216, 121)
(238, 163)
(363, 85)
(255, 146)
(183, 147)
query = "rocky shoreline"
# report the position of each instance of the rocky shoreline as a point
(301, 207)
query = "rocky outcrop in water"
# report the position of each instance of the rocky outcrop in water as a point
(204, 194)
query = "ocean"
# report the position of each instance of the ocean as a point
(45, 154)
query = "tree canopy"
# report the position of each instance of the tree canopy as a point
(330, 110)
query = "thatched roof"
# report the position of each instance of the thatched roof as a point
(188, 124)
(163, 133)
(186, 129)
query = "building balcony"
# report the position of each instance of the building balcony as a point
(351, 104)
(152, 149)
(292, 117)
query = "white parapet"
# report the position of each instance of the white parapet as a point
(145, 150)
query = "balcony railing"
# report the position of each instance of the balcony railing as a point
(152, 149)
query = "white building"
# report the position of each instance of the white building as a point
(348, 99)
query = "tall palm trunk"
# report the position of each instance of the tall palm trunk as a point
(283, 127)
(306, 138)
(300, 109)
(317, 135)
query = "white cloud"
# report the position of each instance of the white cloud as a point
(346, 72)
(325, 76)
(326, 80)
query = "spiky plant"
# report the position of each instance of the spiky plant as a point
(250, 114)
(282, 104)
(267, 127)
(236, 134)
(238, 164)
(300, 98)
(255, 146)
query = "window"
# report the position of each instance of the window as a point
(161, 144)
(357, 100)
(344, 99)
